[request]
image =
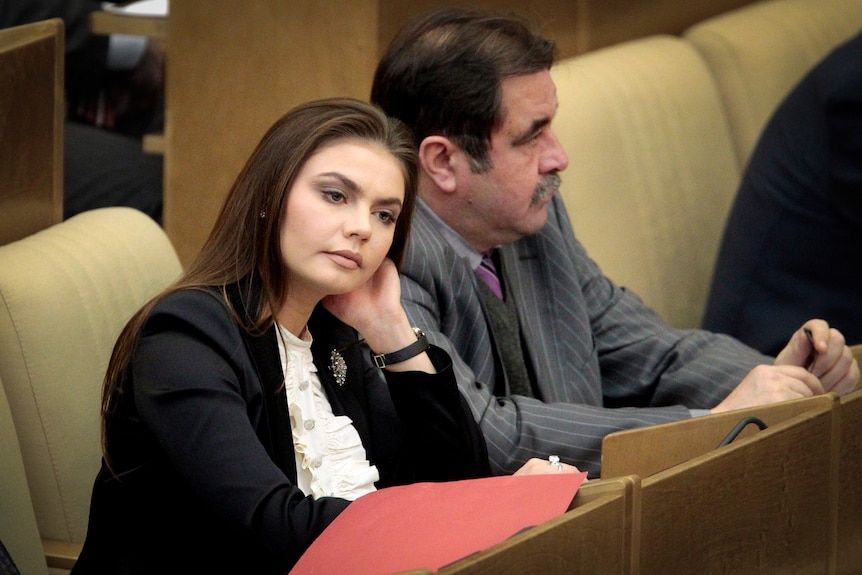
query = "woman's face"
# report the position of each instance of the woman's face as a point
(340, 219)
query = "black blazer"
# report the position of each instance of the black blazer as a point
(201, 448)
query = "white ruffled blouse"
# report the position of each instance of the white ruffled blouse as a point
(330, 458)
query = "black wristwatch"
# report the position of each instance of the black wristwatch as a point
(381, 360)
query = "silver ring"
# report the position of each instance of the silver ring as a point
(555, 461)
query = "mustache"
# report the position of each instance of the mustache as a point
(549, 185)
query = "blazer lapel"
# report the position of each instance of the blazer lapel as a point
(331, 335)
(275, 432)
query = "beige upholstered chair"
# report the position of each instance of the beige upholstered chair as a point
(18, 530)
(757, 54)
(652, 170)
(65, 293)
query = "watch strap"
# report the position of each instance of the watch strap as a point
(381, 360)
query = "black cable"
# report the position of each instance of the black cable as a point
(739, 427)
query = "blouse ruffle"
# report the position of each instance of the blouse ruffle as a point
(331, 460)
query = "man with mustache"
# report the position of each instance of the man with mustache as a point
(555, 356)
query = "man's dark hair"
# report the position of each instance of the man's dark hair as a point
(442, 72)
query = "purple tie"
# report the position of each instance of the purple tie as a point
(488, 272)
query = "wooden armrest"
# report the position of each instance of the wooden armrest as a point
(154, 144)
(102, 22)
(61, 554)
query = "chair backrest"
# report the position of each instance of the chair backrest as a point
(65, 294)
(652, 172)
(31, 128)
(18, 530)
(758, 53)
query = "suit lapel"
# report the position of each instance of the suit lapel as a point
(548, 312)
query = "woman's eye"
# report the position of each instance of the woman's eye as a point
(334, 196)
(387, 217)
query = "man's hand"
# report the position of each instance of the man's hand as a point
(829, 358)
(536, 466)
(806, 366)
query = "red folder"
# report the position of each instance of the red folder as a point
(429, 525)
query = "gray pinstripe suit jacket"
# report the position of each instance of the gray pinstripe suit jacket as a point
(602, 360)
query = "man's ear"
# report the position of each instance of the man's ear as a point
(436, 158)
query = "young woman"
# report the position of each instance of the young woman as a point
(279, 378)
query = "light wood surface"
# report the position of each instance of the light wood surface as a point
(764, 504)
(849, 537)
(104, 22)
(233, 68)
(598, 535)
(649, 450)
(31, 128)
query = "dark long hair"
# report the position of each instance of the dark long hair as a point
(244, 245)
(442, 73)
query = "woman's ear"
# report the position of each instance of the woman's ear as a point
(437, 160)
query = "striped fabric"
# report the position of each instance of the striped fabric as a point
(488, 272)
(602, 361)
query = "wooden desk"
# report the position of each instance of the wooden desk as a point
(849, 546)
(763, 504)
(31, 128)
(649, 450)
(599, 534)
(104, 22)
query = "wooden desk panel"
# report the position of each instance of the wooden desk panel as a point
(764, 504)
(233, 68)
(103, 22)
(599, 534)
(648, 450)
(31, 128)
(849, 547)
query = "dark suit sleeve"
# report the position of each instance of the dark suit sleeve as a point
(603, 361)
(844, 126)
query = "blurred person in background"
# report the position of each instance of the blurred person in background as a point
(114, 92)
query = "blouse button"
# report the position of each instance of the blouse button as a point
(303, 386)
(309, 424)
(316, 462)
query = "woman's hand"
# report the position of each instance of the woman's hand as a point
(375, 305)
(374, 310)
(536, 466)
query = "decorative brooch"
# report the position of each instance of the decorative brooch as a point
(338, 367)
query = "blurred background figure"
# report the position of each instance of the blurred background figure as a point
(114, 88)
(797, 217)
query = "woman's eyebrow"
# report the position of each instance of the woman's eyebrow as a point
(345, 181)
(393, 202)
(354, 187)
